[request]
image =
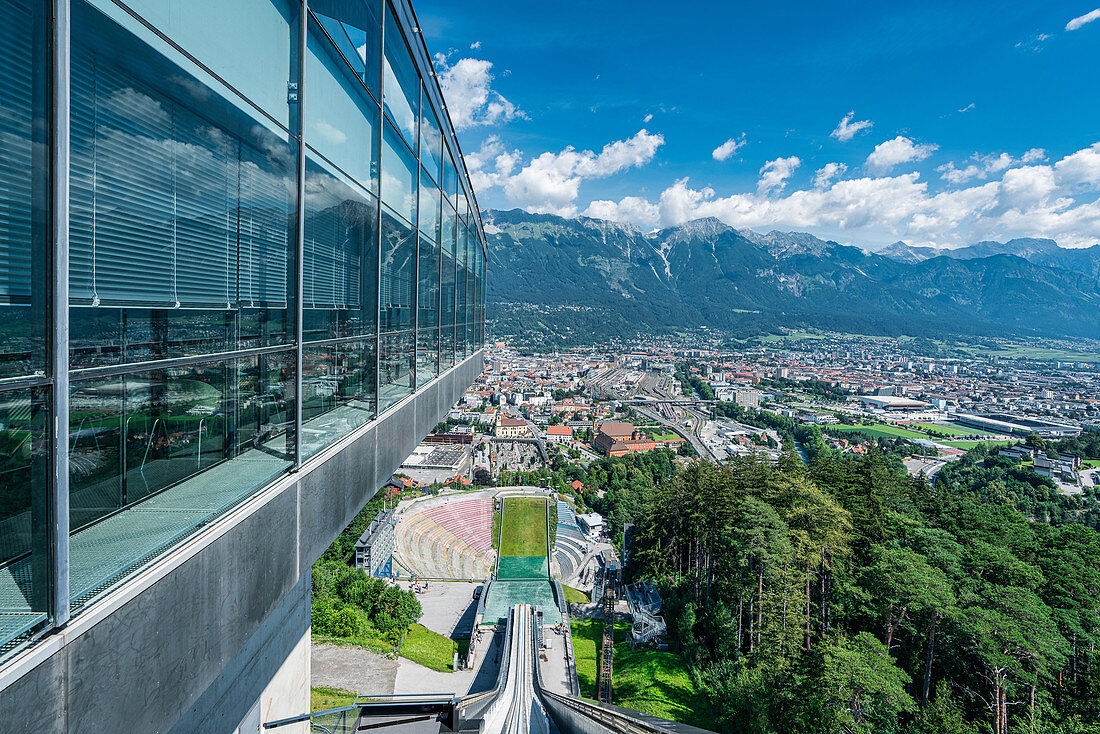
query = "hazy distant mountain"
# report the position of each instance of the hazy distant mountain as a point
(1033, 249)
(705, 273)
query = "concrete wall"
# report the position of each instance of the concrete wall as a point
(218, 628)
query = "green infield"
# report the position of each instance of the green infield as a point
(878, 430)
(524, 527)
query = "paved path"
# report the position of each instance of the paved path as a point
(352, 669)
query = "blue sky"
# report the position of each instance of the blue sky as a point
(935, 123)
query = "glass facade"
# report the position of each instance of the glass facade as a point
(269, 245)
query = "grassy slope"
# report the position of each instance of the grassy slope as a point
(430, 649)
(323, 698)
(524, 531)
(586, 648)
(575, 596)
(650, 681)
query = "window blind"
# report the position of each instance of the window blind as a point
(167, 209)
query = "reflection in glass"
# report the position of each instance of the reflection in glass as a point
(24, 186)
(182, 210)
(428, 212)
(398, 175)
(428, 285)
(431, 141)
(355, 27)
(24, 512)
(398, 285)
(396, 365)
(155, 454)
(427, 356)
(400, 83)
(341, 257)
(246, 42)
(338, 391)
(342, 118)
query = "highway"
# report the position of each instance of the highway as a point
(518, 709)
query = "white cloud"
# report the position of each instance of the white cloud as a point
(824, 175)
(967, 108)
(471, 100)
(647, 118)
(982, 167)
(894, 152)
(632, 209)
(774, 174)
(550, 183)
(1026, 197)
(846, 129)
(724, 151)
(475, 45)
(1083, 19)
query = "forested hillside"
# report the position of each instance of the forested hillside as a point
(850, 597)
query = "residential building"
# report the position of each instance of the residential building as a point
(228, 317)
(559, 434)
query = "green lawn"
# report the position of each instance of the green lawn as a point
(971, 444)
(430, 649)
(878, 430)
(646, 680)
(658, 434)
(323, 698)
(524, 531)
(1087, 462)
(945, 430)
(574, 596)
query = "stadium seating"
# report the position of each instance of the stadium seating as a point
(569, 543)
(451, 540)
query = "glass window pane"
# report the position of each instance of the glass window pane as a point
(248, 43)
(400, 83)
(340, 266)
(24, 187)
(448, 283)
(446, 347)
(24, 512)
(157, 454)
(427, 355)
(398, 175)
(355, 26)
(338, 391)
(396, 365)
(431, 140)
(341, 118)
(450, 180)
(398, 284)
(428, 285)
(182, 209)
(428, 212)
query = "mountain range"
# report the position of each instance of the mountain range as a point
(617, 279)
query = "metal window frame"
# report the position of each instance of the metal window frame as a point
(300, 233)
(61, 103)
